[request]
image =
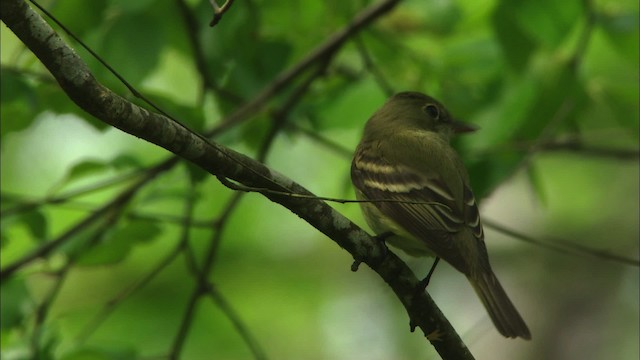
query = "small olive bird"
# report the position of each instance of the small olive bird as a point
(405, 156)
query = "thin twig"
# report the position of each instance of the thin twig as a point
(127, 292)
(49, 246)
(121, 78)
(592, 150)
(218, 11)
(42, 77)
(193, 34)
(204, 286)
(372, 68)
(202, 282)
(239, 187)
(563, 246)
(330, 144)
(233, 316)
(42, 311)
(60, 199)
(320, 53)
(574, 145)
(569, 102)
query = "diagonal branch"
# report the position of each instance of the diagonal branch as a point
(322, 51)
(80, 85)
(122, 199)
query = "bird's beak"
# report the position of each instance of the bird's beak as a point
(460, 127)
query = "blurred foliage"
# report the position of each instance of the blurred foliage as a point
(552, 84)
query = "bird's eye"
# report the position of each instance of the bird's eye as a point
(432, 110)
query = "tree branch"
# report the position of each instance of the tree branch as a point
(80, 85)
(563, 246)
(218, 11)
(318, 54)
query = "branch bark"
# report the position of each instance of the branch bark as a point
(80, 85)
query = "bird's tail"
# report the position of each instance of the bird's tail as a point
(501, 310)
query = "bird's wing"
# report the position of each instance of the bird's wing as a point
(422, 205)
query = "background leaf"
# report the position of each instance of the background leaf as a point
(116, 245)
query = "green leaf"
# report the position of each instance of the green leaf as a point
(500, 121)
(279, 52)
(253, 68)
(248, 60)
(548, 22)
(116, 245)
(254, 133)
(81, 170)
(471, 82)
(134, 42)
(15, 301)
(610, 78)
(536, 181)
(66, 11)
(437, 16)
(190, 116)
(48, 344)
(349, 106)
(53, 99)
(196, 173)
(125, 161)
(522, 25)
(489, 171)
(18, 101)
(552, 103)
(85, 168)
(517, 44)
(622, 31)
(86, 354)
(36, 222)
(95, 353)
(130, 6)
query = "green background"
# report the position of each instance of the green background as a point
(553, 85)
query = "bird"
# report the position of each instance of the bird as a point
(405, 157)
